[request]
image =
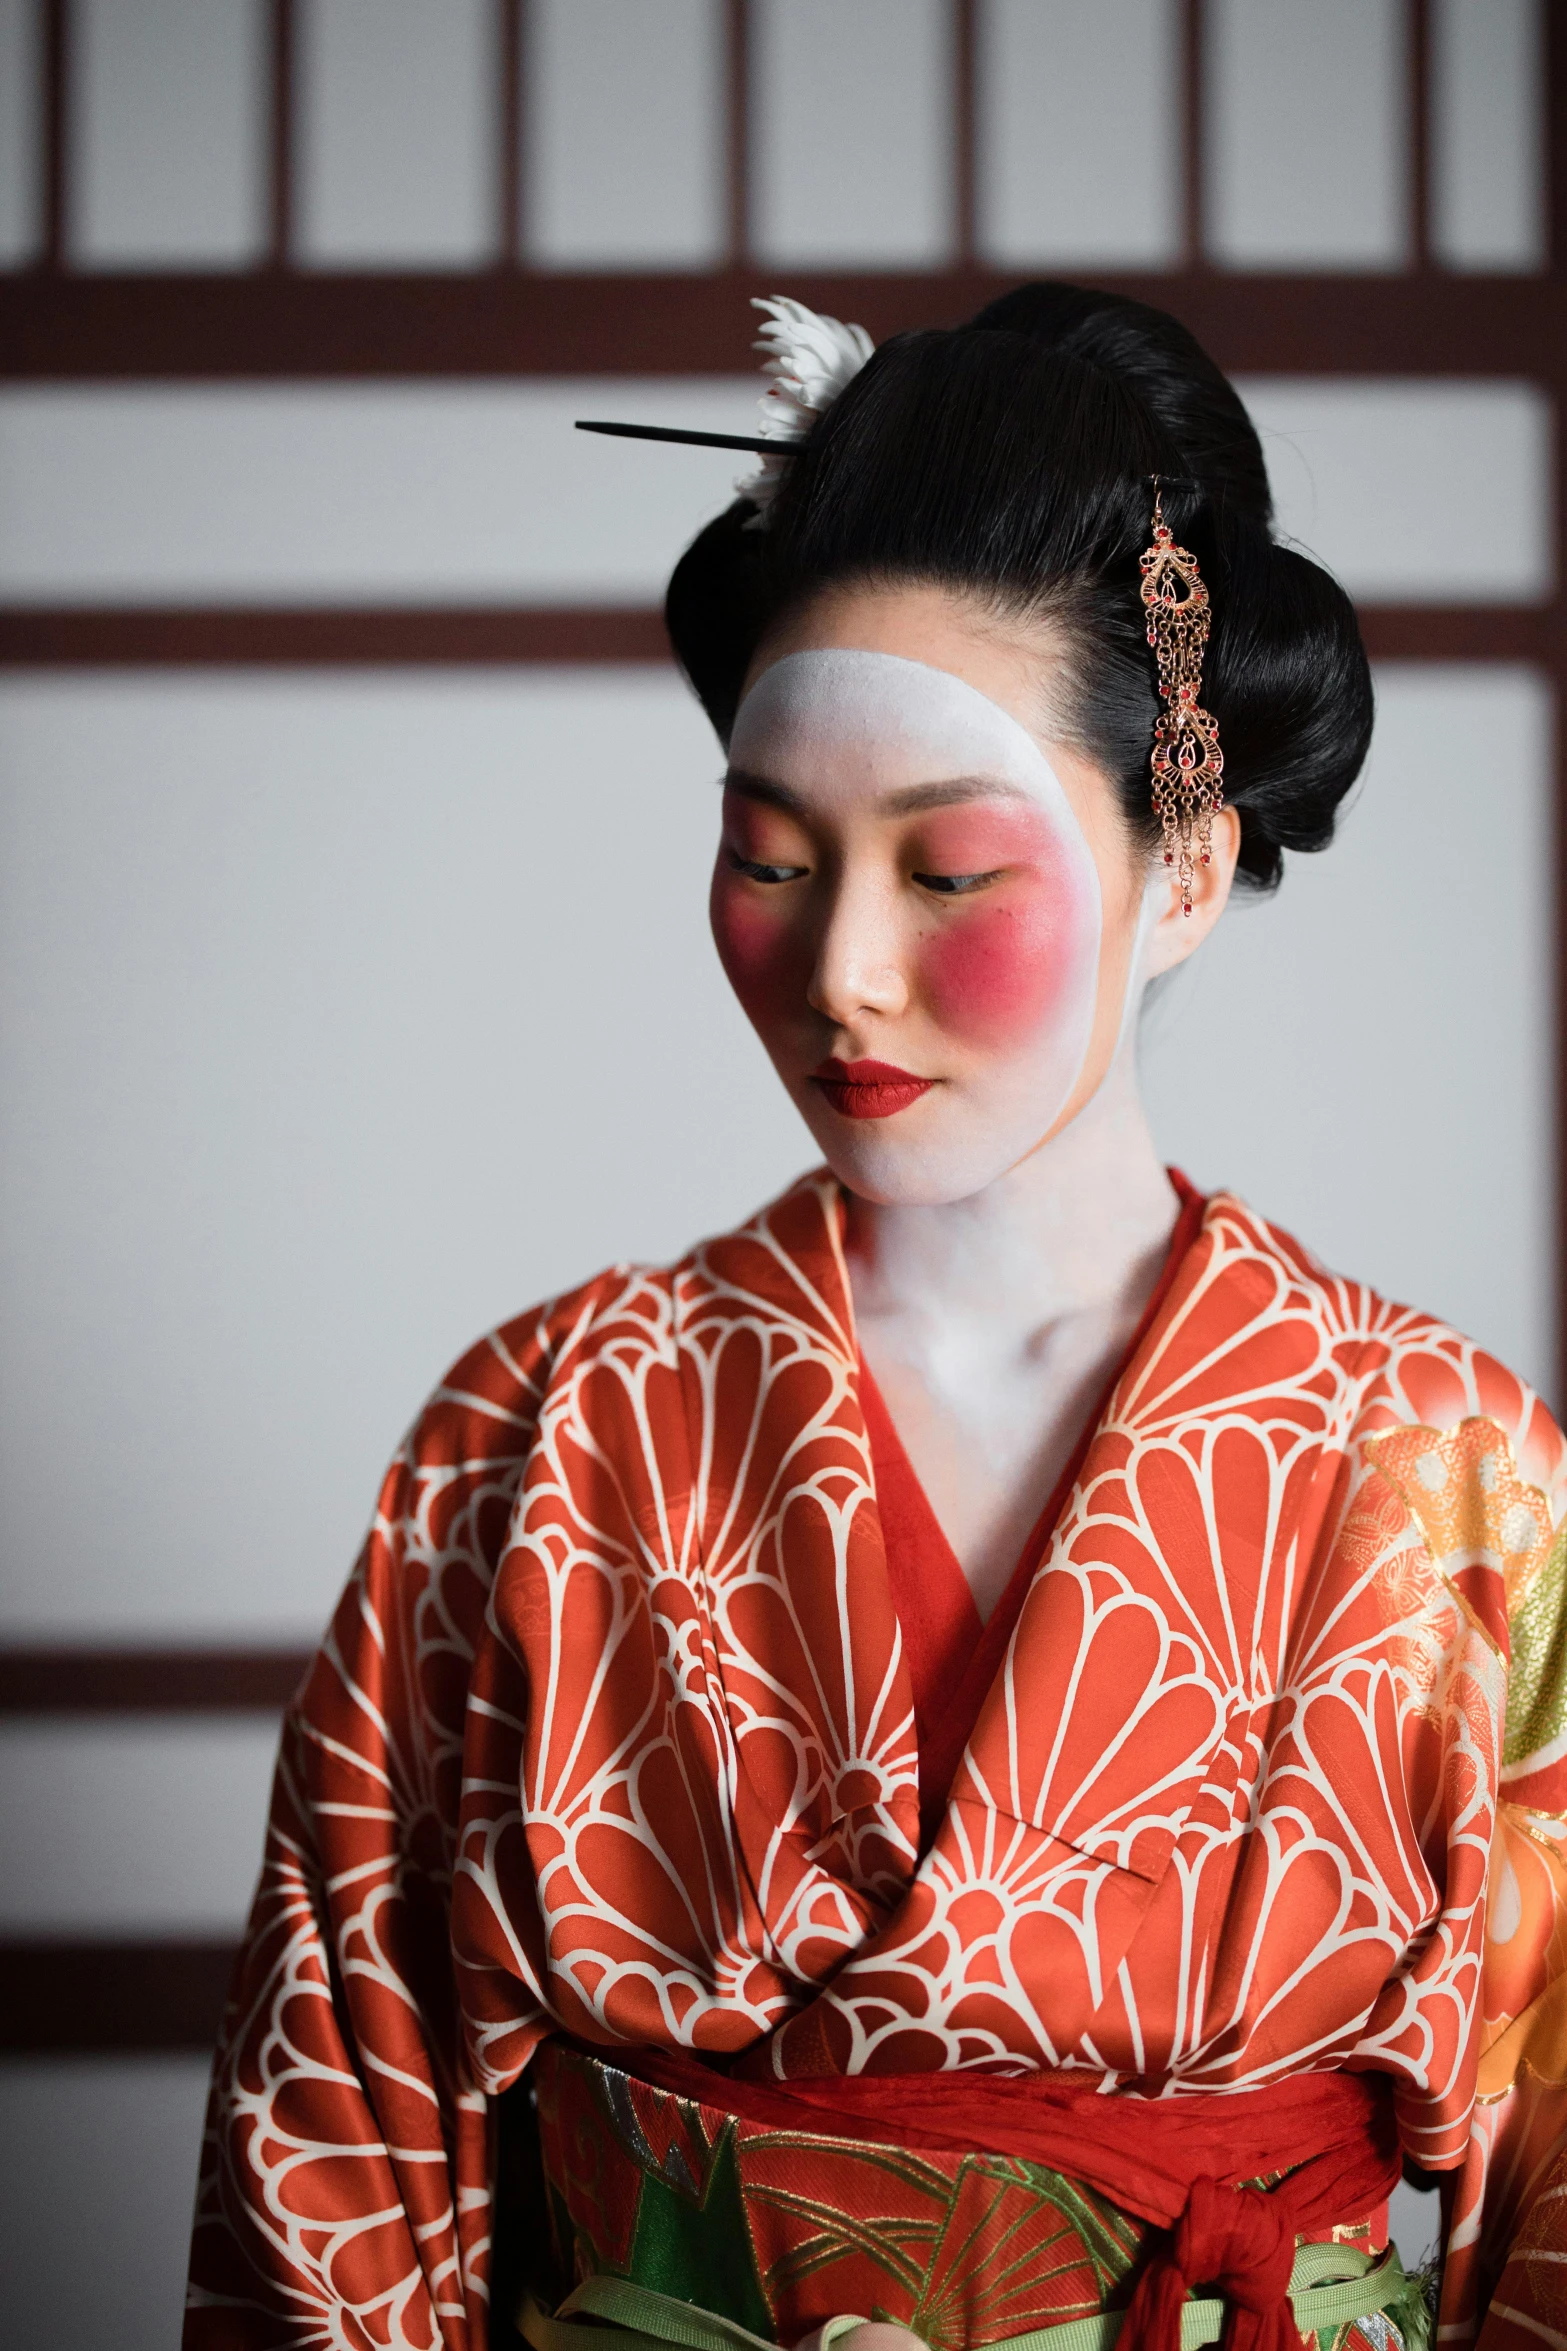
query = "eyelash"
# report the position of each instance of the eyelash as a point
(955, 885)
(771, 874)
(939, 885)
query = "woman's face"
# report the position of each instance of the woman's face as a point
(928, 909)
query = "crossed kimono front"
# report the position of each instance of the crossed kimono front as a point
(609, 1760)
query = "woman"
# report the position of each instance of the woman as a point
(941, 1761)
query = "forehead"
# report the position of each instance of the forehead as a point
(834, 717)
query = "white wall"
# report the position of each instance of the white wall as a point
(624, 137)
(1367, 1057)
(420, 493)
(346, 1016)
(170, 114)
(97, 2184)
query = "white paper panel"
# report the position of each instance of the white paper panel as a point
(1068, 94)
(1307, 134)
(399, 114)
(343, 1018)
(19, 117)
(425, 493)
(625, 134)
(97, 2179)
(140, 1827)
(1418, 492)
(1488, 133)
(1414, 2218)
(851, 137)
(1415, 2222)
(168, 153)
(412, 492)
(1368, 1058)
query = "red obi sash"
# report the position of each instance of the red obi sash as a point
(1184, 2163)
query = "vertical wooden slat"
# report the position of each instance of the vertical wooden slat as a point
(510, 39)
(54, 146)
(1193, 68)
(737, 140)
(1556, 141)
(1417, 45)
(965, 127)
(281, 50)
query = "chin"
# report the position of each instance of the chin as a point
(911, 1169)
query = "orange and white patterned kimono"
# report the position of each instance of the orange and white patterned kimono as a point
(611, 1747)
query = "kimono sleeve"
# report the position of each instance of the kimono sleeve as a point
(1506, 2269)
(345, 2177)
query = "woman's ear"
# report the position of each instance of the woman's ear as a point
(1176, 934)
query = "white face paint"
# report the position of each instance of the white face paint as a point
(904, 884)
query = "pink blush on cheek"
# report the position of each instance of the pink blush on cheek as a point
(762, 959)
(998, 974)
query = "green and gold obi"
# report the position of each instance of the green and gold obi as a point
(769, 2233)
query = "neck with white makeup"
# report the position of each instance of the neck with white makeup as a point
(992, 1324)
(1078, 1228)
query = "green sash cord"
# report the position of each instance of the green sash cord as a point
(1325, 2298)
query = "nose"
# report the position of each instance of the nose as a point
(859, 962)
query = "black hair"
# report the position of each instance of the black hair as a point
(1013, 459)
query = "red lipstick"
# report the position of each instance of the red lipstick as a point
(869, 1089)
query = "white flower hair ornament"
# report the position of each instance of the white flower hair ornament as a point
(808, 361)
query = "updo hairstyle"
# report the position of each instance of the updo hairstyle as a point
(1011, 459)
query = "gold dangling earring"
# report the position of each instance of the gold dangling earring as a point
(1188, 766)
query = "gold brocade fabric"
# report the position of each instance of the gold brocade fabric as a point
(780, 2230)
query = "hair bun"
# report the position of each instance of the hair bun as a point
(1165, 367)
(1013, 459)
(716, 609)
(1289, 684)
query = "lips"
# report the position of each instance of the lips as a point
(869, 1089)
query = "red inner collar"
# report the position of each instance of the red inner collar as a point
(953, 1658)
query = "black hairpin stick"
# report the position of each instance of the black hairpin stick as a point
(776, 448)
(664, 432)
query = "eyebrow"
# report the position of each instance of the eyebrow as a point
(912, 800)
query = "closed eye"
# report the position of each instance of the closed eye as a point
(957, 885)
(756, 872)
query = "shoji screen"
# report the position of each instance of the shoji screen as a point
(354, 986)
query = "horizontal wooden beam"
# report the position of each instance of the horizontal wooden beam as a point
(286, 323)
(65, 1999)
(305, 637)
(1471, 632)
(148, 1681)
